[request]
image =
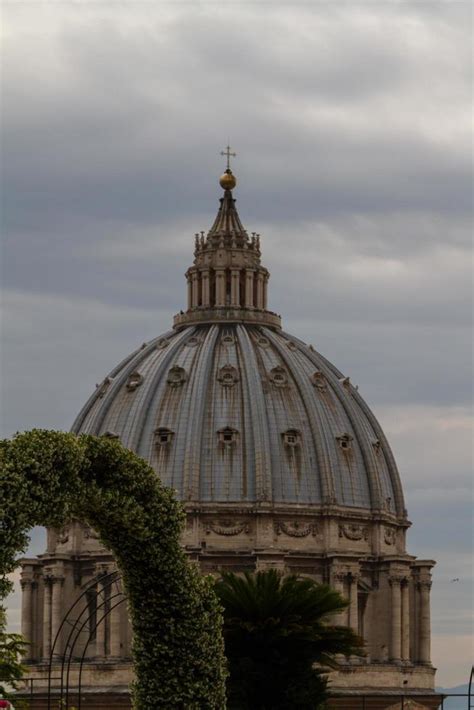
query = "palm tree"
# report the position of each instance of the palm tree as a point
(276, 629)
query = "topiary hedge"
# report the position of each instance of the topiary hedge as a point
(48, 478)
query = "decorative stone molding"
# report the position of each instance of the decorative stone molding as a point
(103, 387)
(424, 584)
(353, 532)
(228, 376)
(134, 381)
(90, 534)
(389, 536)
(228, 528)
(295, 528)
(319, 380)
(176, 376)
(278, 376)
(162, 344)
(63, 535)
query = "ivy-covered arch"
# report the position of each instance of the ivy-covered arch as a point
(48, 478)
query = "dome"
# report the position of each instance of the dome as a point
(235, 412)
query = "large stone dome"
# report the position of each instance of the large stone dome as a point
(244, 413)
(279, 463)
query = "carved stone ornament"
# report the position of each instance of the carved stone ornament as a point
(134, 381)
(319, 380)
(90, 534)
(353, 531)
(263, 342)
(176, 376)
(296, 529)
(162, 344)
(63, 535)
(227, 528)
(389, 536)
(228, 339)
(192, 342)
(278, 376)
(228, 376)
(291, 345)
(103, 387)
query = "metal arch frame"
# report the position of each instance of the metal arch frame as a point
(107, 580)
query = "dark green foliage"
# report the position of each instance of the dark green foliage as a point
(12, 647)
(48, 478)
(276, 628)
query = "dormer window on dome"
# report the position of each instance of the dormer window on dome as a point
(176, 376)
(345, 441)
(228, 376)
(163, 436)
(228, 436)
(292, 438)
(134, 381)
(278, 376)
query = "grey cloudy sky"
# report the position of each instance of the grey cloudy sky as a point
(352, 127)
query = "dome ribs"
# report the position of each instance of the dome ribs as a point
(345, 400)
(263, 473)
(328, 494)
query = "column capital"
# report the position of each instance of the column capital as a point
(424, 584)
(26, 582)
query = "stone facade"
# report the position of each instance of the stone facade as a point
(279, 463)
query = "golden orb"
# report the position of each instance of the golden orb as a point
(228, 181)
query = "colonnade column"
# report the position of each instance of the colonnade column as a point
(353, 601)
(396, 618)
(265, 291)
(338, 578)
(47, 617)
(260, 281)
(206, 293)
(424, 639)
(190, 291)
(405, 620)
(101, 608)
(56, 607)
(27, 614)
(195, 288)
(249, 274)
(235, 288)
(220, 287)
(115, 624)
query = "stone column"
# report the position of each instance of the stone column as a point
(260, 280)
(265, 292)
(205, 288)
(338, 578)
(396, 619)
(56, 607)
(27, 614)
(424, 638)
(190, 291)
(405, 620)
(249, 274)
(47, 618)
(101, 608)
(353, 602)
(220, 287)
(195, 289)
(115, 624)
(235, 288)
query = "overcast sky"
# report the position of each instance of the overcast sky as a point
(352, 126)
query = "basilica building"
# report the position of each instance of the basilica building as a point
(278, 461)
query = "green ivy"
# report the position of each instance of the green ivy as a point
(48, 478)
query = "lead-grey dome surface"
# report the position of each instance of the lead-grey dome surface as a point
(241, 413)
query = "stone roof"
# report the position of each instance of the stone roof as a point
(241, 413)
